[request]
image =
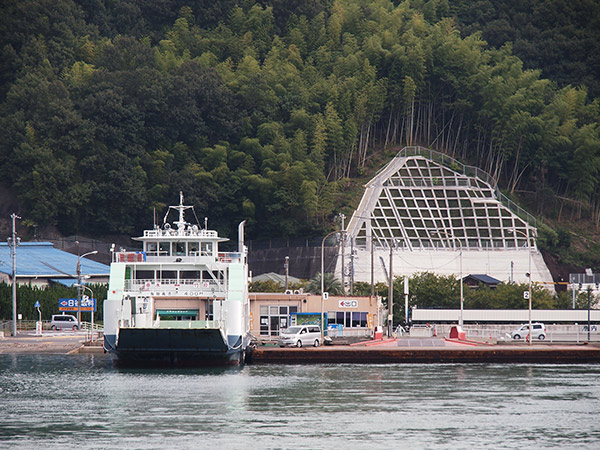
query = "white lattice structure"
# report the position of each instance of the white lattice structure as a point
(439, 214)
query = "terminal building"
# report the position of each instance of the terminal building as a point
(343, 316)
(430, 213)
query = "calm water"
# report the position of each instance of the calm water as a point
(51, 401)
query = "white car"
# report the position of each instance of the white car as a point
(538, 330)
(300, 335)
(64, 321)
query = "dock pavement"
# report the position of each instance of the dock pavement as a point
(403, 350)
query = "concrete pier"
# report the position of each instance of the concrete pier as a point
(537, 354)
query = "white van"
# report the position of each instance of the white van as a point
(64, 321)
(300, 335)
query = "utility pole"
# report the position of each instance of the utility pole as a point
(351, 266)
(287, 271)
(14, 241)
(343, 238)
(589, 305)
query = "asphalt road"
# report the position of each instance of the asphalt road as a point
(57, 342)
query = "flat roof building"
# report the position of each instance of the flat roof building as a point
(350, 316)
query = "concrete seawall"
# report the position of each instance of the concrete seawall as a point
(369, 355)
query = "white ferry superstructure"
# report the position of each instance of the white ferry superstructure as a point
(178, 302)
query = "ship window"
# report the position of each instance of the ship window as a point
(151, 248)
(178, 249)
(144, 274)
(206, 249)
(164, 249)
(193, 248)
(168, 275)
(190, 274)
(178, 314)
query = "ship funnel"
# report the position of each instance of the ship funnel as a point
(241, 236)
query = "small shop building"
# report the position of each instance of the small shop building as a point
(344, 316)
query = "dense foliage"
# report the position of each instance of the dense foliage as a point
(560, 37)
(261, 111)
(48, 298)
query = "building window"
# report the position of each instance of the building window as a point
(349, 319)
(274, 318)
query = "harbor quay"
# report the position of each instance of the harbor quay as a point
(422, 352)
(437, 350)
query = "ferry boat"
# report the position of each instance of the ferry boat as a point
(179, 301)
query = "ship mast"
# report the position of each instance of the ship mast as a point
(181, 208)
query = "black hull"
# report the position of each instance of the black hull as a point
(174, 347)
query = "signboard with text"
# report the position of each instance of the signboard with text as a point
(348, 303)
(71, 304)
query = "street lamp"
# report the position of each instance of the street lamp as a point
(92, 312)
(79, 284)
(323, 283)
(391, 291)
(528, 276)
(462, 297)
(13, 242)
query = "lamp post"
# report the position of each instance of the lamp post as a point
(78, 271)
(323, 283)
(528, 276)
(391, 292)
(13, 242)
(84, 287)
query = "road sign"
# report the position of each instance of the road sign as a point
(526, 295)
(71, 304)
(37, 305)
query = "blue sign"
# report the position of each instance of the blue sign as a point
(71, 304)
(37, 305)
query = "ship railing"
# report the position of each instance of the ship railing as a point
(230, 257)
(131, 257)
(192, 258)
(162, 257)
(194, 286)
(160, 232)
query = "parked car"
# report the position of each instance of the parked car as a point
(300, 335)
(64, 321)
(538, 330)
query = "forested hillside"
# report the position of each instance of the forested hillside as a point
(264, 110)
(559, 37)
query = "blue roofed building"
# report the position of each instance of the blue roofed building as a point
(41, 264)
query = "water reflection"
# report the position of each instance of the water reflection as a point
(55, 401)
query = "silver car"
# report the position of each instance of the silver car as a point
(538, 330)
(300, 335)
(64, 321)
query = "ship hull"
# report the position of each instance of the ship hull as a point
(174, 347)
